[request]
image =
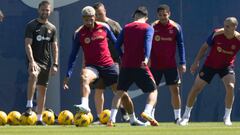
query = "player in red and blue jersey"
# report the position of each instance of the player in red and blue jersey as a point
(93, 38)
(224, 43)
(136, 39)
(167, 37)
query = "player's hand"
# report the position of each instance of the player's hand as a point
(182, 69)
(194, 67)
(54, 70)
(144, 63)
(33, 67)
(65, 83)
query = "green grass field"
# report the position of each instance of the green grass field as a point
(200, 128)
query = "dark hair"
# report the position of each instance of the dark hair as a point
(45, 2)
(163, 7)
(141, 10)
(97, 5)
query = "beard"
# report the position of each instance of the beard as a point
(44, 16)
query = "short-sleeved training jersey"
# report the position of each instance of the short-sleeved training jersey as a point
(42, 36)
(223, 50)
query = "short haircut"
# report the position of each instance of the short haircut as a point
(45, 2)
(163, 7)
(232, 20)
(141, 11)
(97, 5)
(88, 11)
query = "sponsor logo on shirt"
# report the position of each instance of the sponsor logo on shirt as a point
(97, 37)
(166, 38)
(42, 38)
(221, 50)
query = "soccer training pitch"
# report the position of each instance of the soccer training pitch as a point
(194, 128)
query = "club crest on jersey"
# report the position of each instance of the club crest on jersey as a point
(219, 49)
(49, 31)
(170, 31)
(87, 40)
(233, 47)
(157, 38)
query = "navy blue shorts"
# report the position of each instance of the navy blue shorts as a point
(171, 76)
(109, 74)
(142, 77)
(207, 73)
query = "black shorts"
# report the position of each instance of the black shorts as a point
(171, 76)
(109, 75)
(207, 73)
(142, 77)
(99, 83)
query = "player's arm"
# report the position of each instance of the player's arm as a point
(201, 53)
(55, 53)
(33, 67)
(119, 43)
(72, 59)
(181, 50)
(1, 16)
(110, 35)
(148, 44)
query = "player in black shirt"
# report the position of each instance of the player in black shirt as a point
(40, 46)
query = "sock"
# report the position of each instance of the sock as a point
(85, 101)
(39, 117)
(132, 117)
(148, 109)
(187, 112)
(153, 113)
(29, 103)
(113, 115)
(177, 113)
(227, 113)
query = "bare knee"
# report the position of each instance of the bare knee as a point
(85, 79)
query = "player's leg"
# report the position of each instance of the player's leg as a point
(157, 74)
(173, 81)
(115, 105)
(99, 99)
(204, 77)
(145, 81)
(41, 99)
(31, 87)
(195, 90)
(229, 83)
(176, 101)
(88, 75)
(127, 104)
(42, 84)
(124, 82)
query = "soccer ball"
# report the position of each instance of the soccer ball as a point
(104, 116)
(28, 120)
(3, 118)
(81, 120)
(13, 118)
(48, 117)
(90, 116)
(65, 118)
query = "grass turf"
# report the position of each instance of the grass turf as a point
(194, 128)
